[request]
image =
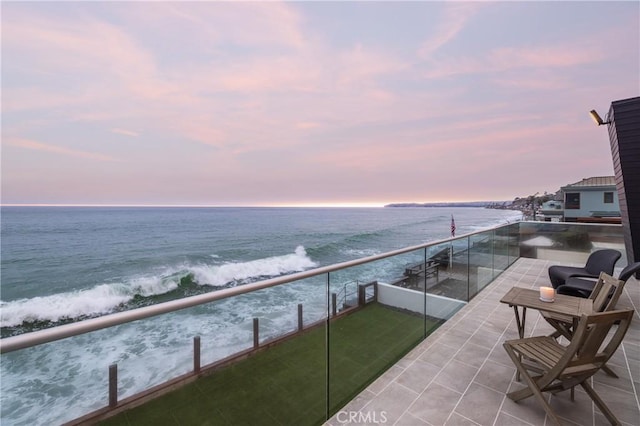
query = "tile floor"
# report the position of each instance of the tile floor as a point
(460, 375)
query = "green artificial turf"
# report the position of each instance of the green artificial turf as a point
(287, 384)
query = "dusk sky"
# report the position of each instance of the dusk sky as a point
(308, 103)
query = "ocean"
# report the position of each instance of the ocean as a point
(65, 264)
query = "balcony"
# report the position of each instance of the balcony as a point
(460, 374)
(434, 332)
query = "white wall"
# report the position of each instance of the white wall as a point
(412, 300)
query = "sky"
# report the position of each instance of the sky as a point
(308, 103)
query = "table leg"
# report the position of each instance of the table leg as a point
(520, 325)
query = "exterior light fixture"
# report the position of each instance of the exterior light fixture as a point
(596, 117)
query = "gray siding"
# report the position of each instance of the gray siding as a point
(624, 135)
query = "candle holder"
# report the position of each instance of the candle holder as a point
(547, 294)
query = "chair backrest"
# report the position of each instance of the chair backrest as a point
(628, 271)
(587, 351)
(602, 261)
(606, 293)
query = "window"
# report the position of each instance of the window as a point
(608, 197)
(572, 201)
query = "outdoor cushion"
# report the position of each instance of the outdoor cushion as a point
(581, 287)
(598, 261)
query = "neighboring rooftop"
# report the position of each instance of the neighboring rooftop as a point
(594, 181)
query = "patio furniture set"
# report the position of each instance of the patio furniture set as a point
(581, 307)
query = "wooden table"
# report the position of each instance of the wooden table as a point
(530, 298)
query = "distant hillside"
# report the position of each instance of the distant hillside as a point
(451, 204)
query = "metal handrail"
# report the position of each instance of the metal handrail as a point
(343, 294)
(14, 343)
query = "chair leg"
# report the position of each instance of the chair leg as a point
(521, 394)
(532, 388)
(600, 403)
(609, 372)
(541, 399)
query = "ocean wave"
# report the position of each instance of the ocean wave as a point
(359, 253)
(106, 298)
(59, 307)
(222, 275)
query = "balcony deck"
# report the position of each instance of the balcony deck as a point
(461, 374)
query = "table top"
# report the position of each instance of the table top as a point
(563, 304)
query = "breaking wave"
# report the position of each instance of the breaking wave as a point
(172, 283)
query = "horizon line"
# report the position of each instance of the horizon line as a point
(292, 205)
(192, 205)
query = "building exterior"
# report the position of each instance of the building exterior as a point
(623, 122)
(593, 199)
(552, 210)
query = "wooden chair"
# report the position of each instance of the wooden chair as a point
(605, 295)
(548, 366)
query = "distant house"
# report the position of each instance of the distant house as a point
(552, 210)
(593, 199)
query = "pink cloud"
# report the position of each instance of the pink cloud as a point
(360, 65)
(282, 87)
(199, 129)
(565, 54)
(558, 56)
(39, 146)
(453, 20)
(307, 125)
(127, 80)
(125, 132)
(268, 23)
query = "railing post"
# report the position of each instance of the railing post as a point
(113, 385)
(300, 322)
(362, 295)
(256, 334)
(196, 354)
(334, 304)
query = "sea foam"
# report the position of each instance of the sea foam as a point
(268, 267)
(105, 298)
(95, 301)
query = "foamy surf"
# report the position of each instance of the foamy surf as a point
(222, 275)
(106, 298)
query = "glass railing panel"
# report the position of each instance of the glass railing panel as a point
(284, 378)
(285, 309)
(371, 332)
(153, 350)
(453, 271)
(416, 291)
(501, 253)
(226, 328)
(514, 242)
(481, 261)
(457, 273)
(569, 242)
(59, 381)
